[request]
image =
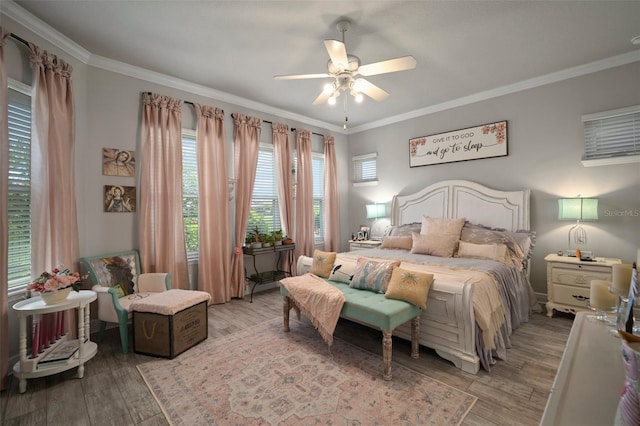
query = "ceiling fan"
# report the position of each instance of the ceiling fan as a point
(344, 68)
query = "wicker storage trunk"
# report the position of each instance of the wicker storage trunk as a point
(168, 336)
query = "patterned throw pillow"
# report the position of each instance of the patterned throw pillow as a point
(519, 244)
(410, 286)
(404, 230)
(343, 270)
(372, 275)
(120, 291)
(322, 263)
(399, 242)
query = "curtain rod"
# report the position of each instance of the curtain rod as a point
(20, 39)
(186, 102)
(293, 129)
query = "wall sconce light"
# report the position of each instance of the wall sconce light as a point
(578, 209)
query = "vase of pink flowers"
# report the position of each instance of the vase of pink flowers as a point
(54, 287)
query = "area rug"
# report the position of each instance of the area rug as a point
(264, 376)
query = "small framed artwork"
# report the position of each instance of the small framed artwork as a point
(117, 162)
(364, 230)
(119, 199)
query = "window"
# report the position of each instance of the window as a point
(365, 169)
(19, 209)
(264, 214)
(317, 166)
(190, 191)
(612, 137)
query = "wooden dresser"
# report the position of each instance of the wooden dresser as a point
(569, 280)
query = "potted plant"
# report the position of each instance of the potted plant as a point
(256, 243)
(287, 241)
(277, 237)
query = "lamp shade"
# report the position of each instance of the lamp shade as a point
(375, 211)
(578, 209)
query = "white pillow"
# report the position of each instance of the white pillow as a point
(343, 270)
(496, 252)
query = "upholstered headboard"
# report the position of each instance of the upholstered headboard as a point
(461, 198)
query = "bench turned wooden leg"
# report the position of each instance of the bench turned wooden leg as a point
(415, 337)
(286, 307)
(386, 354)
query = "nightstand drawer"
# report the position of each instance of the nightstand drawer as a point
(575, 276)
(570, 295)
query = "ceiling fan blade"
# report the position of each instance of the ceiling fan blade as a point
(392, 65)
(300, 76)
(322, 97)
(337, 52)
(371, 90)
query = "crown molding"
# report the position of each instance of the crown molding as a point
(44, 30)
(197, 89)
(580, 70)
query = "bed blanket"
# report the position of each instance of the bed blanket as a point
(318, 301)
(487, 302)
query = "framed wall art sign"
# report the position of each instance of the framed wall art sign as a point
(472, 143)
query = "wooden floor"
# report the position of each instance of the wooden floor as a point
(112, 391)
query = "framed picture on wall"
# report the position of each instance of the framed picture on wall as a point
(117, 162)
(119, 199)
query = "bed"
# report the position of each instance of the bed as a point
(451, 324)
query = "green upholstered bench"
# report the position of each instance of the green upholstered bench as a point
(374, 310)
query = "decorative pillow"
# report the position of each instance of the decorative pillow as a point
(399, 242)
(404, 230)
(410, 286)
(372, 275)
(120, 291)
(496, 252)
(322, 263)
(442, 236)
(519, 244)
(115, 270)
(343, 270)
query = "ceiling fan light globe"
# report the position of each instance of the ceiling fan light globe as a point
(327, 88)
(331, 100)
(359, 98)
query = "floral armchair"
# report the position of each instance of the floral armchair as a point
(118, 282)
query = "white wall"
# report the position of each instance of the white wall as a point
(545, 144)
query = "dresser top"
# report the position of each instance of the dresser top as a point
(606, 261)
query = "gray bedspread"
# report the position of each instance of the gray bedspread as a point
(513, 285)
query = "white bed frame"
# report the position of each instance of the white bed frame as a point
(448, 323)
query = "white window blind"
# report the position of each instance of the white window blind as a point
(365, 168)
(190, 191)
(613, 136)
(19, 208)
(265, 213)
(317, 166)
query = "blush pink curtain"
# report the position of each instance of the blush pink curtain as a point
(284, 178)
(331, 208)
(214, 269)
(162, 244)
(304, 196)
(54, 226)
(246, 145)
(4, 220)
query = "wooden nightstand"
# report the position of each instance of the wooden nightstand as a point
(569, 281)
(363, 244)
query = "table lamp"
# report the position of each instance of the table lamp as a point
(578, 209)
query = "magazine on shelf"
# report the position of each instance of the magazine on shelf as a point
(62, 352)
